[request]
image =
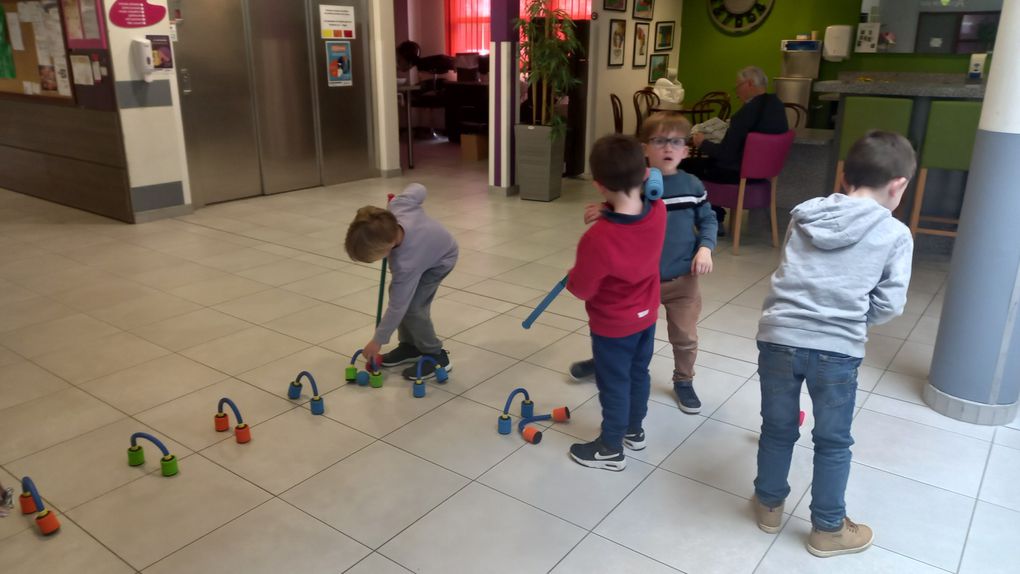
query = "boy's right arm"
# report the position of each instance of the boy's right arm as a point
(586, 276)
(889, 297)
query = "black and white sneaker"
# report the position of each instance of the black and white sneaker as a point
(428, 370)
(403, 354)
(634, 440)
(595, 455)
(583, 371)
(686, 398)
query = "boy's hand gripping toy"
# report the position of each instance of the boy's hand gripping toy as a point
(373, 376)
(294, 392)
(653, 190)
(136, 454)
(31, 502)
(242, 432)
(530, 434)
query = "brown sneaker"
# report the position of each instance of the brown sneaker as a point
(851, 538)
(769, 519)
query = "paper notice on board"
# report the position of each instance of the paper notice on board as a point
(337, 21)
(89, 20)
(72, 19)
(14, 31)
(30, 11)
(56, 34)
(81, 68)
(42, 44)
(63, 77)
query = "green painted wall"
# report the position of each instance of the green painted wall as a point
(709, 58)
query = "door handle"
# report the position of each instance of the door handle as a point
(185, 81)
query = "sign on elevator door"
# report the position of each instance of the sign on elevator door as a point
(336, 21)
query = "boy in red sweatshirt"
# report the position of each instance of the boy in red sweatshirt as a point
(616, 274)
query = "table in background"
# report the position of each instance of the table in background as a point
(406, 90)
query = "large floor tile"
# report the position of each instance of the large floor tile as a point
(547, 389)
(451, 317)
(32, 310)
(332, 284)
(789, 555)
(925, 415)
(727, 345)
(901, 387)
(244, 350)
(376, 563)
(880, 350)
(153, 383)
(23, 381)
(891, 506)
(559, 356)
(326, 367)
(375, 493)
(378, 412)
(40, 423)
(919, 452)
(69, 331)
(1008, 437)
(91, 464)
(545, 476)
(505, 291)
(272, 538)
(1000, 482)
(713, 387)
(15, 522)
(505, 336)
(144, 310)
(282, 272)
(70, 551)
(264, 306)
(472, 365)
(189, 419)
(191, 329)
(287, 449)
(687, 525)
(319, 322)
(514, 538)
(459, 435)
(218, 290)
(913, 359)
(720, 363)
(991, 545)
(154, 516)
(596, 555)
(99, 357)
(735, 320)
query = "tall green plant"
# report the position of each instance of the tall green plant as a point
(548, 40)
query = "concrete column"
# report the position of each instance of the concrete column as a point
(975, 372)
(504, 55)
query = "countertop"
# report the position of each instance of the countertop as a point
(903, 84)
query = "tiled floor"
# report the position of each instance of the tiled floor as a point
(108, 329)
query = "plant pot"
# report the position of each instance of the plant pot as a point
(539, 162)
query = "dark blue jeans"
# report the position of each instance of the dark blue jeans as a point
(621, 373)
(832, 383)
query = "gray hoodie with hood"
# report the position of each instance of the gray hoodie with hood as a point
(845, 266)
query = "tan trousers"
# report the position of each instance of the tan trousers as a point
(682, 300)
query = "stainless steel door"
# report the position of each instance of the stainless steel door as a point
(283, 94)
(345, 112)
(216, 105)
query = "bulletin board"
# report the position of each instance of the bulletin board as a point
(33, 44)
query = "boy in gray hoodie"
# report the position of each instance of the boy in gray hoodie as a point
(845, 267)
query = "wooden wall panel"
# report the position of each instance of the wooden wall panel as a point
(86, 135)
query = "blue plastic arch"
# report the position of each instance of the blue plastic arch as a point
(510, 399)
(528, 420)
(233, 407)
(159, 444)
(311, 381)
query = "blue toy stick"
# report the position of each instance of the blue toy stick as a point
(653, 185)
(545, 303)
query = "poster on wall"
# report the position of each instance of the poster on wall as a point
(640, 57)
(162, 55)
(336, 21)
(6, 51)
(136, 14)
(617, 41)
(81, 24)
(338, 63)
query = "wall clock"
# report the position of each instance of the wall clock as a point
(739, 16)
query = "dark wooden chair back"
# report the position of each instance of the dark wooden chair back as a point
(799, 113)
(644, 101)
(617, 113)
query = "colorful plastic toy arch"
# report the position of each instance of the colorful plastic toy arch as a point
(373, 376)
(419, 384)
(31, 502)
(294, 391)
(136, 454)
(242, 432)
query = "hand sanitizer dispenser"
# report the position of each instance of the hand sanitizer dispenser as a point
(141, 57)
(836, 47)
(976, 70)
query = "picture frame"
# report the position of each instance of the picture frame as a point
(614, 5)
(639, 57)
(658, 67)
(643, 9)
(617, 42)
(664, 35)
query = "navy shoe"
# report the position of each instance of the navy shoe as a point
(583, 371)
(634, 440)
(596, 455)
(428, 370)
(686, 398)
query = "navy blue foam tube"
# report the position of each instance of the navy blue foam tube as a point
(545, 303)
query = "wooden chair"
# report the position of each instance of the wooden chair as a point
(704, 110)
(948, 144)
(646, 99)
(617, 113)
(799, 115)
(764, 156)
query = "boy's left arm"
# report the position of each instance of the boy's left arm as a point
(708, 229)
(889, 297)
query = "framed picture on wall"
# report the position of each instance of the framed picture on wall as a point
(643, 9)
(617, 41)
(664, 35)
(615, 5)
(658, 66)
(640, 56)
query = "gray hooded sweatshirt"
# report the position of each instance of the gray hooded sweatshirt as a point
(845, 266)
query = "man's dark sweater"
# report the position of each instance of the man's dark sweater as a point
(764, 113)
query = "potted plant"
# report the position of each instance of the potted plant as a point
(548, 40)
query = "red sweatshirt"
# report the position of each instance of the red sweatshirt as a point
(616, 272)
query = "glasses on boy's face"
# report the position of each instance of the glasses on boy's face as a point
(663, 142)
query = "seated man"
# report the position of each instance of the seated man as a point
(762, 112)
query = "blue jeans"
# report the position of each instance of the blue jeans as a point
(832, 383)
(621, 373)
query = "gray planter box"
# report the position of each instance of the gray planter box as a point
(539, 163)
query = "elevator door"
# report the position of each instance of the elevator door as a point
(216, 103)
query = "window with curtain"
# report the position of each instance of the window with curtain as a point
(467, 26)
(577, 9)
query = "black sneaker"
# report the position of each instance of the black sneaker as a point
(686, 398)
(428, 370)
(582, 370)
(403, 354)
(634, 440)
(595, 455)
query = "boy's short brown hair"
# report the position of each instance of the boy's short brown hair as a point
(663, 123)
(371, 235)
(617, 162)
(878, 158)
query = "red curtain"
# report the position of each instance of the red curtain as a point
(467, 26)
(577, 9)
